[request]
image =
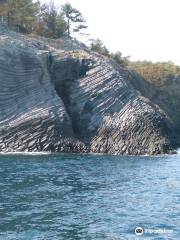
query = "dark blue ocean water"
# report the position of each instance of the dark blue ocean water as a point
(72, 197)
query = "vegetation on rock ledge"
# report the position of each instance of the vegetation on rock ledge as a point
(155, 73)
(28, 16)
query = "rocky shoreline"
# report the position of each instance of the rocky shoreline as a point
(60, 97)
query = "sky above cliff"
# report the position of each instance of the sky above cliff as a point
(142, 29)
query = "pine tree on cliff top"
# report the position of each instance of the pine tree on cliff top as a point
(72, 15)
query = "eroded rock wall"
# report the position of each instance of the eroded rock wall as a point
(32, 116)
(108, 114)
(165, 97)
(60, 99)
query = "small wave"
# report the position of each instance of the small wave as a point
(25, 153)
(178, 151)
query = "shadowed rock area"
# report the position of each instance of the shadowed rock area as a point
(60, 97)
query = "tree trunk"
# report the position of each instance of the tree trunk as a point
(8, 19)
(69, 28)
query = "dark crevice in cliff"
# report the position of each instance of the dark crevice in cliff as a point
(63, 75)
(103, 111)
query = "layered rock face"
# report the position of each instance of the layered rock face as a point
(67, 99)
(32, 116)
(166, 97)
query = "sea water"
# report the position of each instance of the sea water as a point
(72, 197)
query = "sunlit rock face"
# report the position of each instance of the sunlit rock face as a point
(107, 113)
(61, 97)
(32, 115)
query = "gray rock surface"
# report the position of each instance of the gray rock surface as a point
(32, 116)
(166, 97)
(67, 99)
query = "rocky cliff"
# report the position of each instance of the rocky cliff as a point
(58, 96)
(166, 97)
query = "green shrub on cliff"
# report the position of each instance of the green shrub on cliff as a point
(155, 73)
(98, 46)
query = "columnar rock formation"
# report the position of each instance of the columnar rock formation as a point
(61, 97)
(32, 116)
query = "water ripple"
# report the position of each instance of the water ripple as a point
(58, 197)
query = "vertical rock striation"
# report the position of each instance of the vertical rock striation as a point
(60, 99)
(108, 114)
(32, 116)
